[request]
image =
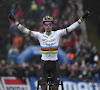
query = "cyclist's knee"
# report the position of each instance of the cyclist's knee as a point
(42, 80)
(43, 87)
(55, 87)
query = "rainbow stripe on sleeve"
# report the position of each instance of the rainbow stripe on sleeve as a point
(29, 32)
(67, 30)
(49, 50)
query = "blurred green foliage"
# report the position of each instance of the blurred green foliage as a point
(93, 37)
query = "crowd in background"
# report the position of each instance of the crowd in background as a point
(82, 60)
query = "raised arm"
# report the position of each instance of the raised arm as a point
(74, 25)
(77, 23)
(22, 28)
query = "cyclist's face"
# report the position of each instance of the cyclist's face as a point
(48, 26)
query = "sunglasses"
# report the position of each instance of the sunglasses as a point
(46, 24)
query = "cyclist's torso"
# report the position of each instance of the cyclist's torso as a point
(49, 45)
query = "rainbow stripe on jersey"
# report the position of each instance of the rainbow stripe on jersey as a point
(49, 50)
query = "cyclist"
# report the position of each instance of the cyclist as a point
(49, 42)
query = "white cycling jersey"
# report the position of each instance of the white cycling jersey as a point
(49, 44)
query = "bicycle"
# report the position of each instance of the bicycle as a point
(50, 84)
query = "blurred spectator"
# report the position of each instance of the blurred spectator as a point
(39, 2)
(13, 9)
(68, 43)
(13, 53)
(56, 11)
(19, 13)
(18, 41)
(34, 6)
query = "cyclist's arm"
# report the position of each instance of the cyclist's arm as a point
(70, 28)
(25, 30)
(74, 25)
(22, 28)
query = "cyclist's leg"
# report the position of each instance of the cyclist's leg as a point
(55, 80)
(43, 78)
(43, 81)
(55, 77)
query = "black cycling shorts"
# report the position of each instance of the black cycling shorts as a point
(49, 69)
